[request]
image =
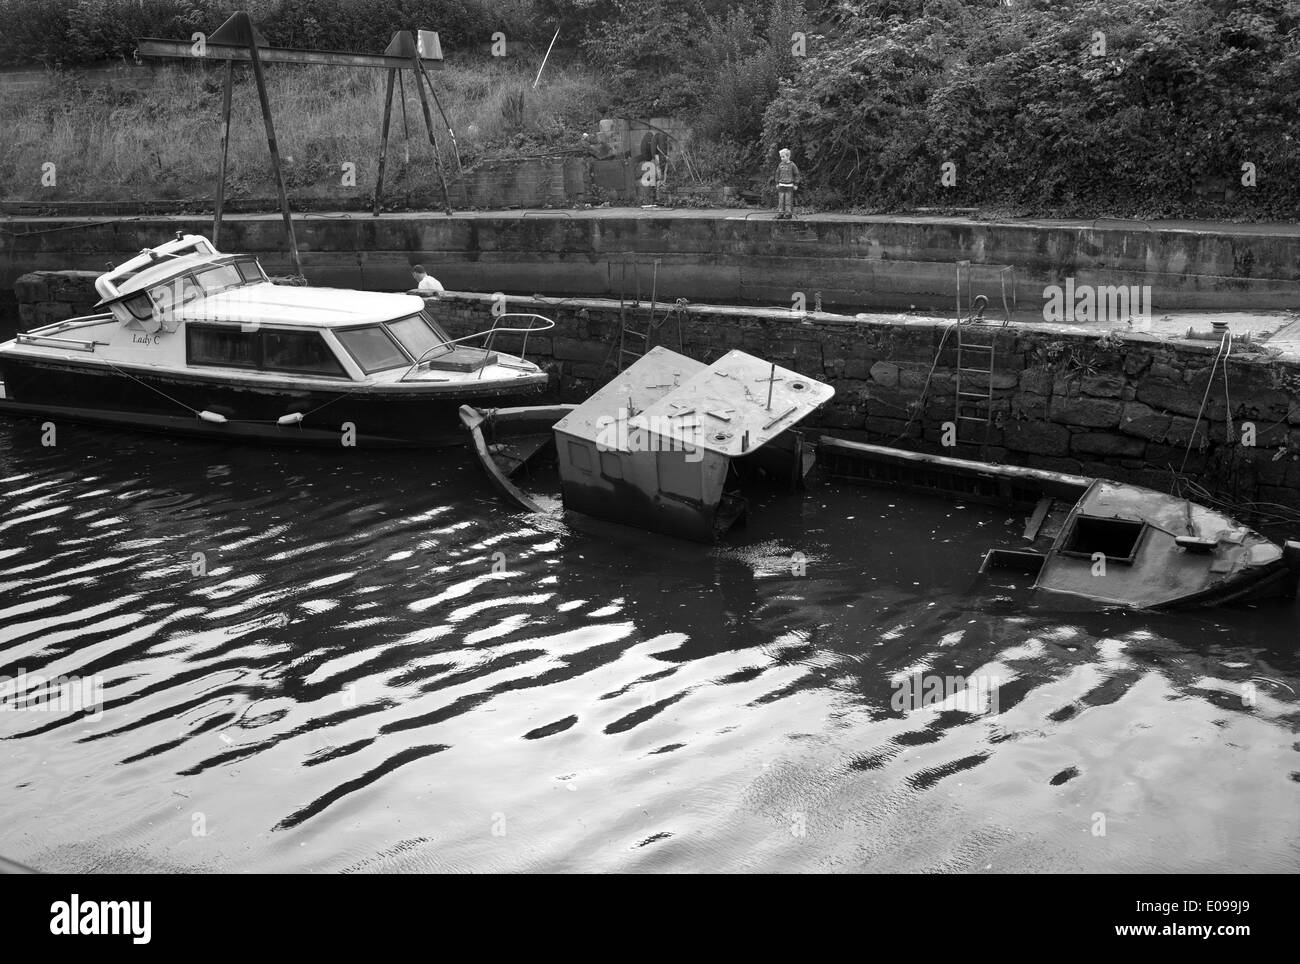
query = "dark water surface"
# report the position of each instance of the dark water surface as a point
(383, 668)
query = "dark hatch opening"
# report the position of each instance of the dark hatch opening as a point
(1114, 538)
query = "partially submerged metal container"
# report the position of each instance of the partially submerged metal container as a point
(668, 444)
(661, 445)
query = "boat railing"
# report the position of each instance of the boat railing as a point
(52, 341)
(490, 334)
(54, 335)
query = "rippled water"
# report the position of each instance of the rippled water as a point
(373, 665)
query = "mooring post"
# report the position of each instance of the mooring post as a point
(270, 138)
(225, 146)
(383, 143)
(428, 126)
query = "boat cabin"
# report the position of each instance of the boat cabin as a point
(670, 442)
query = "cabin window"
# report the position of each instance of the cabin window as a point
(217, 279)
(250, 271)
(191, 290)
(140, 306)
(373, 348)
(298, 351)
(416, 335)
(221, 346)
(580, 456)
(611, 465)
(1116, 539)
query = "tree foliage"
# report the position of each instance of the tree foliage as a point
(1152, 107)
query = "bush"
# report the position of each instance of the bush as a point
(1036, 115)
(648, 51)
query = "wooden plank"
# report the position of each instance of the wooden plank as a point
(1036, 520)
(225, 149)
(383, 140)
(433, 142)
(154, 47)
(265, 100)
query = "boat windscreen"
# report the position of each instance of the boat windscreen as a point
(140, 305)
(220, 278)
(251, 270)
(417, 336)
(373, 348)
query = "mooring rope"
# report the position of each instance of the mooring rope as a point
(194, 411)
(1209, 383)
(920, 402)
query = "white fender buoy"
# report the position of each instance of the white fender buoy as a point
(293, 418)
(212, 417)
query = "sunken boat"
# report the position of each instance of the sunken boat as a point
(196, 342)
(669, 445)
(1107, 542)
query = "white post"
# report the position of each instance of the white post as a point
(546, 58)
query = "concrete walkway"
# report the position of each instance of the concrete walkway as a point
(1263, 229)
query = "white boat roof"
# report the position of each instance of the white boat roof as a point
(166, 268)
(720, 408)
(288, 304)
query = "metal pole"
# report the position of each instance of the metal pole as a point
(546, 58)
(225, 144)
(270, 140)
(451, 133)
(383, 143)
(428, 125)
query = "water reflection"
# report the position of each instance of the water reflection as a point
(336, 661)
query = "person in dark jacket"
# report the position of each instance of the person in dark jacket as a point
(787, 182)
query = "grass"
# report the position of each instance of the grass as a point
(160, 139)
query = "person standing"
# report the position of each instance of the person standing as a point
(787, 182)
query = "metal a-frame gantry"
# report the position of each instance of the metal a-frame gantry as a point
(239, 40)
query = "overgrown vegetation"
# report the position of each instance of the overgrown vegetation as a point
(1148, 108)
(76, 32)
(160, 142)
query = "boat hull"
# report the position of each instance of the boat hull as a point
(491, 425)
(420, 417)
(1168, 553)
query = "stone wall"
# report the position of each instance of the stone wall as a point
(717, 256)
(1063, 398)
(537, 182)
(47, 296)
